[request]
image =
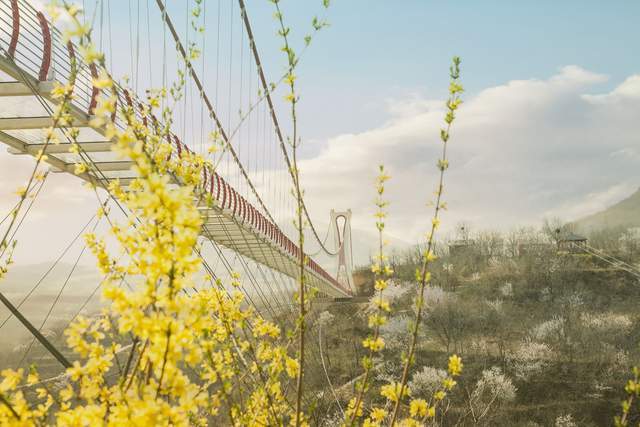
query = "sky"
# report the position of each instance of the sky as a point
(548, 126)
(375, 50)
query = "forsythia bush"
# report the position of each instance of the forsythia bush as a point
(192, 357)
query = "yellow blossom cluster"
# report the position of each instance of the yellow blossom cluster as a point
(419, 409)
(632, 389)
(382, 271)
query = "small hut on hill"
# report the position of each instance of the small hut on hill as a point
(572, 243)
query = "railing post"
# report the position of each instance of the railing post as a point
(46, 48)
(95, 91)
(15, 30)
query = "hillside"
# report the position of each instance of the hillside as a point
(625, 213)
(546, 337)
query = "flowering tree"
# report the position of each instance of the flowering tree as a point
(491, 390)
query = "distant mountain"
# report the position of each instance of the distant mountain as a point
(623, 214)
(22, 278)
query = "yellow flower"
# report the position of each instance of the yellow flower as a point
(42, 156)
(455, 365)
(351, 407)
(32, 378)
(292, 367)
(264, 328)
(449, 383)
(392, 391)
(378, 414)
(66, 393)
(431, 412)
(376, 344)
(103, 81)
(10, 379)
(377, 320)
(22, 191)
(418, 408)
(290, 78)
(382, 304)
(409, 422)
(380, 285)
(80, 168)
(429, 256)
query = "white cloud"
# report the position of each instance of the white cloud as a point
(629, 89)
(519, 151)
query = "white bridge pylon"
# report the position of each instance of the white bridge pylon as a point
(34, 56)
(342, 239)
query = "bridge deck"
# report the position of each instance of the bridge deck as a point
(230, 220)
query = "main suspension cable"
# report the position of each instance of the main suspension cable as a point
(276, 124)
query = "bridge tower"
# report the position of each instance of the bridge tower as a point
(341, 226)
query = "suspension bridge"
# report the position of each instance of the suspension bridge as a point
(248, 225)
